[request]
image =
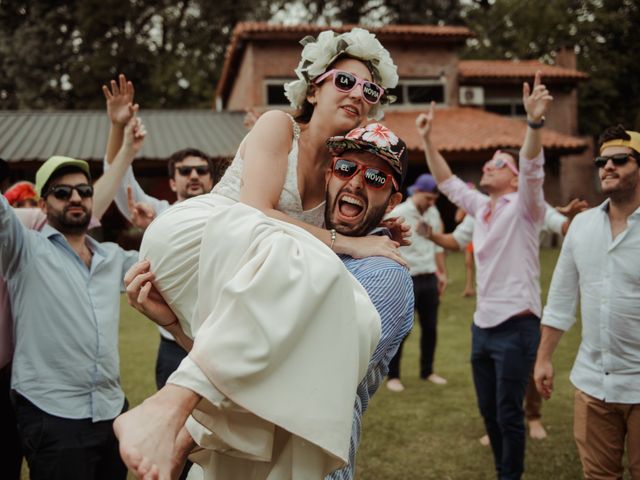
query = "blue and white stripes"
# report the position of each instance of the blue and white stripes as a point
(391, 291)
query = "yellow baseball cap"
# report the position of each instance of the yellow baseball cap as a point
(56, 163)
(633, 142)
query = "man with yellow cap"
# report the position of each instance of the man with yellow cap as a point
(65, 290)
(600, 265)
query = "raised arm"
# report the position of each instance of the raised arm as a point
(438, 166)
(14, 242)
(531, 197)
(265, 154)
(108, 185)
(120, 109)
(536, 103)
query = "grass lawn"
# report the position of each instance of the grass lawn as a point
(427, 431)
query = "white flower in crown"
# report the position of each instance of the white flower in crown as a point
(319, 53)
(379, 135)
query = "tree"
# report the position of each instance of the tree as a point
(56, 54)
(601, 32)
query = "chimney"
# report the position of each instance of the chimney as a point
(566, 57)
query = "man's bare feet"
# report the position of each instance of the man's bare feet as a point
(437, 379)
(484, 440)
(395, 385)
(536, 429)
(149, 434)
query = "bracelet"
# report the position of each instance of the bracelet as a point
(536, 125)
(334, 234)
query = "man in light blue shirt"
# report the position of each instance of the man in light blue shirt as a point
(65, 294)
(599, 265)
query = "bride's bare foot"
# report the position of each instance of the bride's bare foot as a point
(536, 429)
(149, 433)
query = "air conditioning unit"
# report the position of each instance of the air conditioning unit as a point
(471, 96)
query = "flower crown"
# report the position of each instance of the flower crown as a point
(319, 53)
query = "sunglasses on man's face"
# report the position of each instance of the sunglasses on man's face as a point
(64, 192)
(497, 164)
(186, 170)
(345, 82)
(374, 178)
(618, 159)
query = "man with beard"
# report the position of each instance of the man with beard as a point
(506, 323)
(65, 289)
(599, 265)
(362, 184)
(191, 173)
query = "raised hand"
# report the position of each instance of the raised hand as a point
(134, 133)
(400, 230)
(424, 122)
(120, 106)
(536, 101)
(141, 214)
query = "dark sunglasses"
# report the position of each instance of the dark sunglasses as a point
(345, 82)
(64, 192)
(373, 177)
(618, 159)
(185, 171)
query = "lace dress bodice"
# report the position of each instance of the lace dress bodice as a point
(290, 201)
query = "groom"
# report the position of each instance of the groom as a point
(363, 184)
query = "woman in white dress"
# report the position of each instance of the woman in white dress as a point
(284, 333)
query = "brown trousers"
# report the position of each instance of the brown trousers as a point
(600, 430)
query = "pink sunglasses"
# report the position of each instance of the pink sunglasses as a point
(345, 82)
(496, 163)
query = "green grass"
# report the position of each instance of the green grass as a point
(427, 431)
(431, 432)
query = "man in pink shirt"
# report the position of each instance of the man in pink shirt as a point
(506, 324)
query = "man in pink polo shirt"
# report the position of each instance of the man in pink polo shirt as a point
(506, 324)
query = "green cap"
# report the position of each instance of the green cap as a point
(55, 163)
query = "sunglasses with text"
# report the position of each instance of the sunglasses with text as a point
(345, 82)
(374, 178)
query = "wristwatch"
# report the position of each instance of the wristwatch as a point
(536, 125)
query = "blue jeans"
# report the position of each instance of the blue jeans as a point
(502, 358)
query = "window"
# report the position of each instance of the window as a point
(419, 92)
(274, 91)
(506, 106)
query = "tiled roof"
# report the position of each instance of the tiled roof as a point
(272, 31)
(37, 135)
(275, 30)
(474, 69)
(459, 130)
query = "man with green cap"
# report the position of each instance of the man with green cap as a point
(65, 290)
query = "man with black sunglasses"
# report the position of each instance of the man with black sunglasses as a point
(599, 264)
(65, 289)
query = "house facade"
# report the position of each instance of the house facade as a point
(479, 102)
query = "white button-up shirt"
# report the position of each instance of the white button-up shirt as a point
(421, 254)
(605, 273)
